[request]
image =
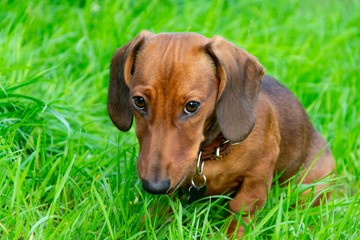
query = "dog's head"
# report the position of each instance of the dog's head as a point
(182, 88)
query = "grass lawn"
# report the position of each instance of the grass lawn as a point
(68, 173)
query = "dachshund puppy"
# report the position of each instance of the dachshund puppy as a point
(207, 118)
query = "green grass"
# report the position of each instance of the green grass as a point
(67, 173)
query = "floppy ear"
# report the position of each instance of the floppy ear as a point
(240, 76)
(121, 70)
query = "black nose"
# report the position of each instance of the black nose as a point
(156, 187)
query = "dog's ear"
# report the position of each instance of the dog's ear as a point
(121, 70)
(240, 76)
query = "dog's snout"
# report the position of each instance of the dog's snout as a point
(160, 187)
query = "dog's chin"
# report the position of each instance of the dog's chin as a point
(176, 186)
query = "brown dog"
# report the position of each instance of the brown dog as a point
(190, 95)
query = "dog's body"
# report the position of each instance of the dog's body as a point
(185, 91)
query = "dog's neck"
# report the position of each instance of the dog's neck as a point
(211, 130)
(215, 145)
(217, 149)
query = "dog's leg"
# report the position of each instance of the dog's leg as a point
(249, 198)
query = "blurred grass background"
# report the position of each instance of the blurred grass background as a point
(67, 173)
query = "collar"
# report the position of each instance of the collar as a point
(219, 148)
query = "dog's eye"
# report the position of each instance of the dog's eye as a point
(191, 107)
(139, 103)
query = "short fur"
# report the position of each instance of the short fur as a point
(236, 100)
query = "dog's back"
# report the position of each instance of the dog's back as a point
(297, 132)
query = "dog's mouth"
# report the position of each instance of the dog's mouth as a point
(177, 185)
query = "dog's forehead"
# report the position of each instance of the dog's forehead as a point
(174, 56)
(173, 49)
(174, 61)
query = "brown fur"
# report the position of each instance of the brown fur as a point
(169, 70)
